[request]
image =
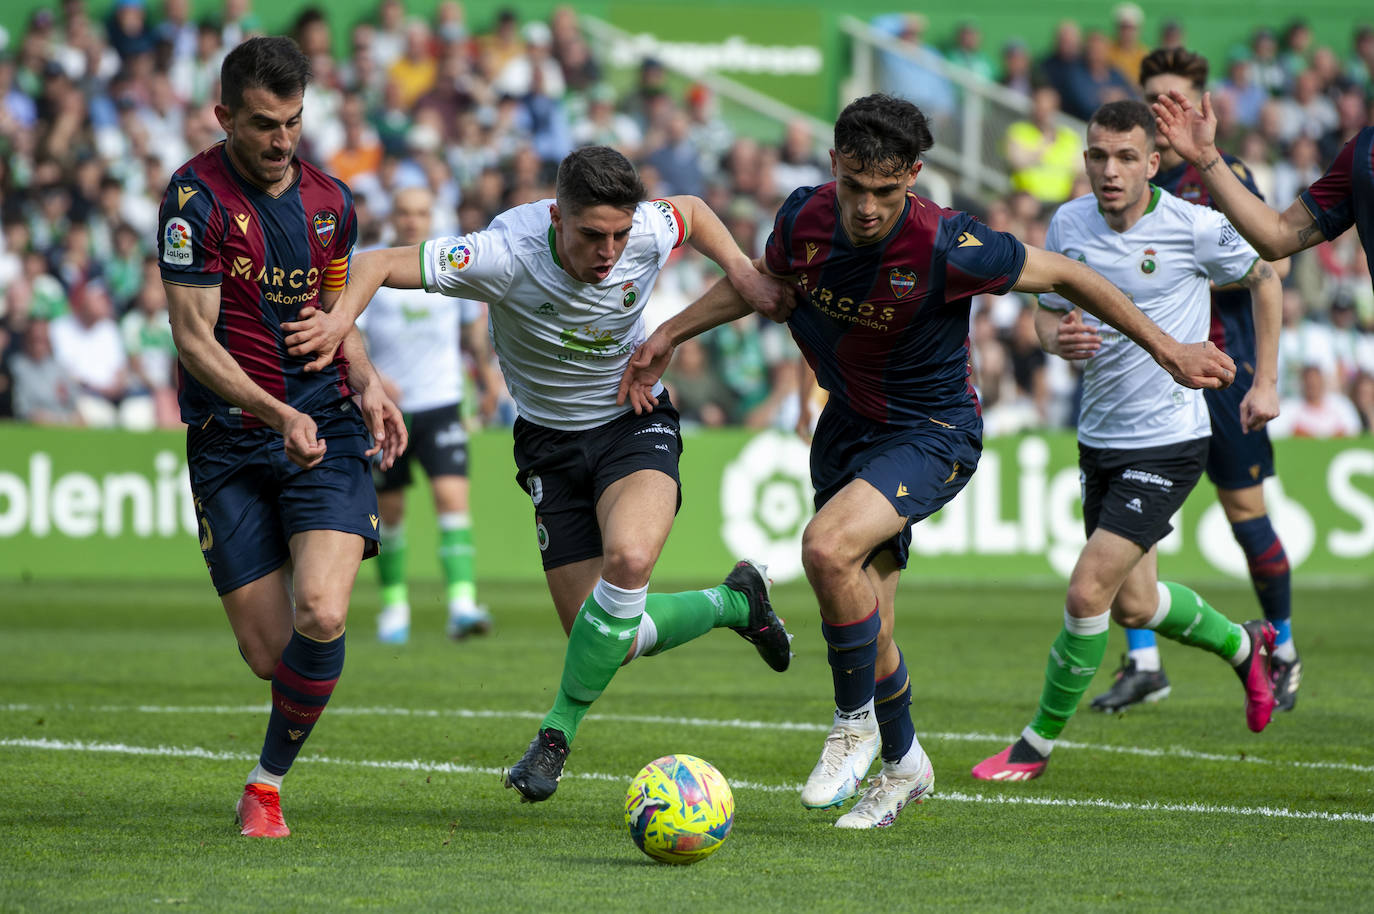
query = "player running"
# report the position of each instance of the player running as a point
(1142, 440)
(1240, 459)
(278, 456)
(887, 278)
(566, 281)
(414, 340)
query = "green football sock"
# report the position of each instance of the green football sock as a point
(391, 564)
(456, 556)
(597, 645)
(1074, 659)
(1184, 616)
(679, 617)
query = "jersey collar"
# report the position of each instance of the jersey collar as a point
(553, 247)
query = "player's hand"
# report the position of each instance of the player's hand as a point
(384, 420)
(317, 335)
(646, 367)
(1191, 133)
(1199, 365)
(1260, 406)
(1075, 340)
(767, 295)
(298, 436)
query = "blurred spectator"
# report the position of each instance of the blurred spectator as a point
(147, 334)
(128, 29)
(1266, 70)
(360, 153)
(503, 44)
(696, 387)
(1061, 65)
(414, 72)
(1320, 412)
(1126, 50)
(176, 30)
(1044, 155)
(1362, 398)
(797, 163)
(44, 393)
(1016, 67)
(676, 158)
(915, 75)
(1171, 35)
(1307, 112)
(1246, 97)
(967, 52)
(1297, 48)
(238, 23)
(1094, 82)
(1298, 169)
(1360, 67)
(710, 135)
(1303, 342)
(603, 125)
(518, 77)
(87, 344)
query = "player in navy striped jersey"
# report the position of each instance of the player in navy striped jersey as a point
(1240, 458)
(887, 277)
(251, 239)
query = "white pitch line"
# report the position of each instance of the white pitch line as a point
(1178, 752)
(196, 752)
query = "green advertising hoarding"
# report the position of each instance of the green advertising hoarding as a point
(108, 505)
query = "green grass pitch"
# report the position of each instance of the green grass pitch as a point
(127, 723)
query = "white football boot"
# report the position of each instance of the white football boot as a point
(844, 763)
(887, 793)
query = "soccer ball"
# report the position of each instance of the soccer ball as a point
(679, 809)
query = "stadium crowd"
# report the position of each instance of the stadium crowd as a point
(95, 115)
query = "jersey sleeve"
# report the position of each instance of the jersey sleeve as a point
(978, 259)
(1329, 199)
(341, 251)
(190, 233)
(477, 265)
(1054, 242)
(667, 226)
(1220, 250)
(777, 256)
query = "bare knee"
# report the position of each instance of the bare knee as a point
(822, 555)
(320, 615)
(629, 566)
(261, 658)
(1086, 599)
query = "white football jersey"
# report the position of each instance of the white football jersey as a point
(413, 338)
(562, 344)
(1163, 264)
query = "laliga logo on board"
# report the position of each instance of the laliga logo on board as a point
(766, 500)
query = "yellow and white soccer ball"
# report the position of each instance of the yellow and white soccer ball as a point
(679, 809)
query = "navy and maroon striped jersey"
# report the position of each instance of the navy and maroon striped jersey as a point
(270, 256)
(1233, 315)
(885, 325)
(1344, 196)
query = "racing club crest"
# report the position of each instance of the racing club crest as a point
(902, 281)
(631, 294)
(325, 222)
(1149, 264)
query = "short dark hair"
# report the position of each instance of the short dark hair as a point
(1177, 61)
(1123, 117)
(270, 62)
(597, 176)
(882, 132)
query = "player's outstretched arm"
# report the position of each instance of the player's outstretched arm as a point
(1192, 133)
(380, 413)
(193, 311)
(1199, 365)
(1261, 402)
(766, 294)
(318, 332)
(720, 304)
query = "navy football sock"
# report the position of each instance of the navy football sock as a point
(853, 652)
(1269, 570)
(301, 686)
(892, 700)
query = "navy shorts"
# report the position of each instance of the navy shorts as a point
(917, 468)
(438, 440)
(1134, 492)
(1238, 459)
(251, 499)
(565, 474)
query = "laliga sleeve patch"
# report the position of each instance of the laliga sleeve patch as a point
(176, 242)
(455, 258)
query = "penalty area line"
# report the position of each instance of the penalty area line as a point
(955, 796)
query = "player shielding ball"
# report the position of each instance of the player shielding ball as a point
(886, 279)
(1240, 458)
(566, 281)
(1142, 439)
(252, 235)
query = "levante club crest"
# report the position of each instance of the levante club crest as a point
(902, 281)
(325, 222)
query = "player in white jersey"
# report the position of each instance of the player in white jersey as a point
(414, 340)
(1142, 438)
(566, 281)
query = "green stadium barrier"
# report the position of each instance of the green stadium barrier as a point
(85, 504)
